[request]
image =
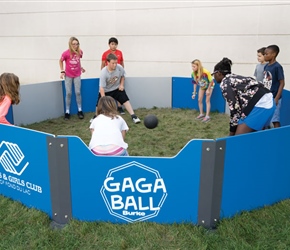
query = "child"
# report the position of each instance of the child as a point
(112, 80)
(72, 73)
(108, 130)
(251, 105)
(274, 73)
(202, 78)
(113, 44)
(259, 71)
(9, 94)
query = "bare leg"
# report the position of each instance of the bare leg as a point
(208, 105)
(200, 98)
(128, 107)
(243, 129)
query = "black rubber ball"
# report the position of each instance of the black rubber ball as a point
(150, 121)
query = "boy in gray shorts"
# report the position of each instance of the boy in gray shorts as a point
(112, 81)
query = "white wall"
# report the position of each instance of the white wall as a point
(158, 39)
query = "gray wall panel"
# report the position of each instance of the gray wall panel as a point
(148, 92)
(39, 102)
(42, 101)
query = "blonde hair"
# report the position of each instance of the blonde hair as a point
(9, 85)
(107, 106)
(71, 48)
(199, 72)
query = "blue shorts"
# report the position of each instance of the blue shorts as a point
(276, 116)
(259, 118)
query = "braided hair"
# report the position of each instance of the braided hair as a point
(224, 66)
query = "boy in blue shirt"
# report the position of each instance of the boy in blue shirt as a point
(274, 75)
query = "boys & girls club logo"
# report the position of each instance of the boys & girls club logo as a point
(134, 192)
(13, 162)
(11, 158)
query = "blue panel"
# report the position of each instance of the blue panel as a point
(89, 90)
(24, 173)
(285, 108)
(9, 116)
(256, 170)
(155, 189)
(181, 96)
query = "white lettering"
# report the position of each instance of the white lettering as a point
(26, 191)
(141, 205)
(151, 207)
(134, 213)
(116, 201)
(130, 201)
(147, 186)
(116, 186)
(8, 184)
(127, 183)
(139, 185)
(34, 187)
(23, 190)
(16, 180)
(159, 184)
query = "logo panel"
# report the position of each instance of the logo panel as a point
(13, 162)
(11, 158)
(134, 192)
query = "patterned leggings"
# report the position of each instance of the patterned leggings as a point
(68, 90)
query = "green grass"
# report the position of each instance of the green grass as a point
(266, 228)
(176, 127)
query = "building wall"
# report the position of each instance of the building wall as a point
(158, 39)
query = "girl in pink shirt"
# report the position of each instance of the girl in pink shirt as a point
(9, 94)
(72, 74)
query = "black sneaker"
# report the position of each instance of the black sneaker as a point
(121, 110)
(66, 116)
(81, 114)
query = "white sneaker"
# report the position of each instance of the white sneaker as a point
(136, 120)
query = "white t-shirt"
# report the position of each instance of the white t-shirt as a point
(108, 131)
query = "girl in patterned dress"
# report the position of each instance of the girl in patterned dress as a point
(251, 105)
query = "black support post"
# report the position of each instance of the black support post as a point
(60, 192)
(211, 180)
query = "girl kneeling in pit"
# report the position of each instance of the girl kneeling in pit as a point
(108, 130)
